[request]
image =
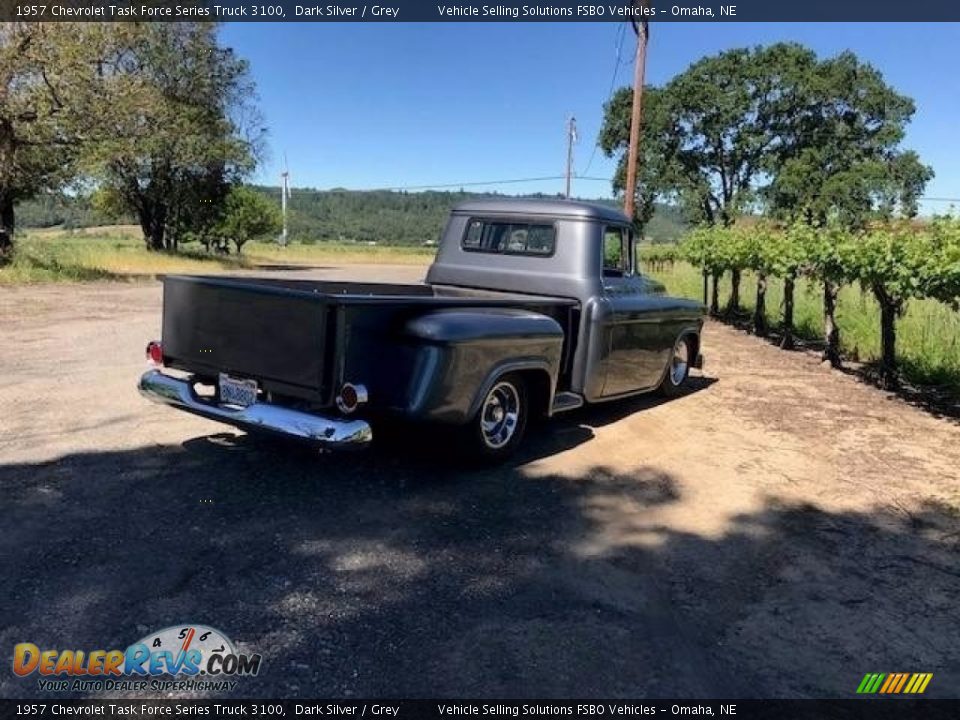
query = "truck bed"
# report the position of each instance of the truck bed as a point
(298, 338)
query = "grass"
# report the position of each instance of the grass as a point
(336, 252)
(117, 253)
(928, 334)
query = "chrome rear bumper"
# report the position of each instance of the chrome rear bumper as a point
(330, 433)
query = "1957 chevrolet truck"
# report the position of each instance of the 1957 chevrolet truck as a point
(531, 307)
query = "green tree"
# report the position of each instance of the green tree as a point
(703, 248)
(185, 132)
(710, 133)
(905, 180)
(894, 263)
(247, 215)
(49, 90)
(759, 260)
(941, 270)
(815, 141)
(823, 248)
(786, 257)
(839, 158)
(652, 163)
(841, 165)
(737, 248)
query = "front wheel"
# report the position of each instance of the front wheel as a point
(497, 429)
(678, 370)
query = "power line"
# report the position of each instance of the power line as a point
(544, 178)
(511, 181)
(613, 81)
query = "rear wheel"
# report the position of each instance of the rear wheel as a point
(678, 370)
(498, 428)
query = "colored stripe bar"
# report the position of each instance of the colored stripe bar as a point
(903, 681)
(891, 685)
(894, 683)
(875, 685)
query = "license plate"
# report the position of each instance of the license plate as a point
(234, 391)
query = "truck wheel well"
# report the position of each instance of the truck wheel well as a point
(538, 391)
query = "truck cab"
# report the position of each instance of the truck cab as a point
(627, 327)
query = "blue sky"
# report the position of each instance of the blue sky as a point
(382, 105)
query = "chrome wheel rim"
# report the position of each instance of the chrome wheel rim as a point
(499, 415)
(680, 362)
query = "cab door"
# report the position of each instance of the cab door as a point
(638, 342)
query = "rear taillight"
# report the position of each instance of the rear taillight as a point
(155, 353)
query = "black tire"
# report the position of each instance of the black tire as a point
(677, 371)
(491, 436)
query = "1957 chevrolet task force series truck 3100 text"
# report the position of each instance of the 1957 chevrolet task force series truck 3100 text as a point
(531, 307)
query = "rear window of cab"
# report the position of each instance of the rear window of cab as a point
(510, 238)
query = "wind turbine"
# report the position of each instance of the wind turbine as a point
(284, 196)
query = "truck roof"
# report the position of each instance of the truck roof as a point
(552, 207)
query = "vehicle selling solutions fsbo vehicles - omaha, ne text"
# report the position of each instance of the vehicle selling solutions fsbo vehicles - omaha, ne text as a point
(531, 307)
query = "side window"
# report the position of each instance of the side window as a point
(512, 238)
(616, 252)
(471, 241)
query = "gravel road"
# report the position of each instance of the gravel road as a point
(778, 531)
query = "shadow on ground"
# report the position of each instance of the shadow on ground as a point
(386, 574)
(430, 444)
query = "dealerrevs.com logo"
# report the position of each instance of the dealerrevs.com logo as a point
(196, 656)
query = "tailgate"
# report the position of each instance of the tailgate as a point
(246, 328)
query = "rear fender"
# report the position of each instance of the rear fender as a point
(460, 354)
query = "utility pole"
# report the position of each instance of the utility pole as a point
(642, 28)
(571, 139)
(284, 196)
(283, 208)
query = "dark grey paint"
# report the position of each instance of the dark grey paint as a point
(461, 353)
(627, 324)
(432, 351)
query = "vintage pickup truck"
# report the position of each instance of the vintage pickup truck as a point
(532, 307)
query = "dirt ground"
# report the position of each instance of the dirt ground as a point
(778, 531)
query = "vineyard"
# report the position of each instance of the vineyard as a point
(887, 295)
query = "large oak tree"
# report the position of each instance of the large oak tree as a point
(158, 115)
(49, 90)
(775, 128)
(709, 134)
(189, 134)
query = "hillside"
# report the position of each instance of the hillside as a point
(61, 210)
(402, 218)
(381, 216)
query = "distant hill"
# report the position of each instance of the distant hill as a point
(404, 218)
(61, 210)
(382, 216)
